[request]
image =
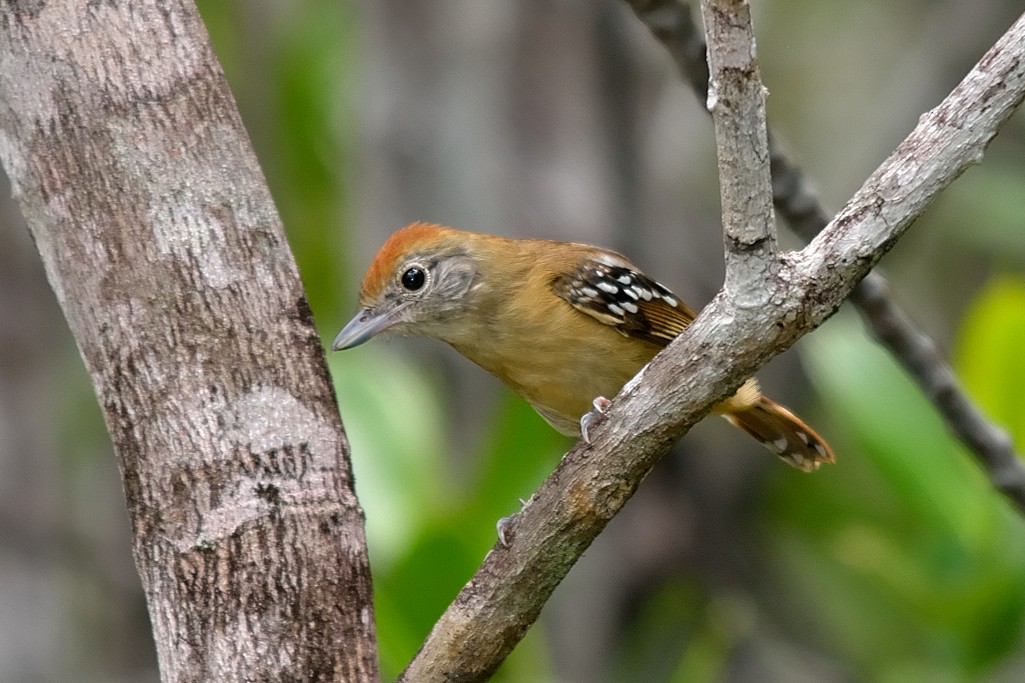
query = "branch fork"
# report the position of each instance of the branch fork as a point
(718, 351)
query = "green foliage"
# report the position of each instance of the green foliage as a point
(901, 560)
(992, 354)
(679, 634)
(293, 92)
(428, 532)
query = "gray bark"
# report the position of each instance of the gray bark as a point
(161, 241)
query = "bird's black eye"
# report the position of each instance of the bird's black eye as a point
(414, 278)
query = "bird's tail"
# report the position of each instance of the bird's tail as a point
(784, 434)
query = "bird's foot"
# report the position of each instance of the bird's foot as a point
(504, 526)
(600, 404)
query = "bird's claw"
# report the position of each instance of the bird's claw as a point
(504, 526)
(600, 404)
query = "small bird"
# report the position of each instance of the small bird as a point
(562, 324)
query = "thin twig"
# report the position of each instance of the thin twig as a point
(671, 22)
(736, 100)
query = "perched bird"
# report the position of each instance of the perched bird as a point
(562, 324)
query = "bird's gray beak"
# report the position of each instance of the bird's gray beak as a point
(365, 325)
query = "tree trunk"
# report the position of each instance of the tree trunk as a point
(162, 243)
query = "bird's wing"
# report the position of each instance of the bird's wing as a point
(616, 293)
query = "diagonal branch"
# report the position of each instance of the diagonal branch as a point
(671, 22)
(723, 346)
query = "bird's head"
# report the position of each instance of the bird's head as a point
(423, 276)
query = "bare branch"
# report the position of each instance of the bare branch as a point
(671, 22)
(708, 362)
(736, 99)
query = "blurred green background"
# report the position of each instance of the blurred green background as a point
(567, 120)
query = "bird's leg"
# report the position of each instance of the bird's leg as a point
(600, 404)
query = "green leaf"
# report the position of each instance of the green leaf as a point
(991, 354)
(394, 424)
(901, 557)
